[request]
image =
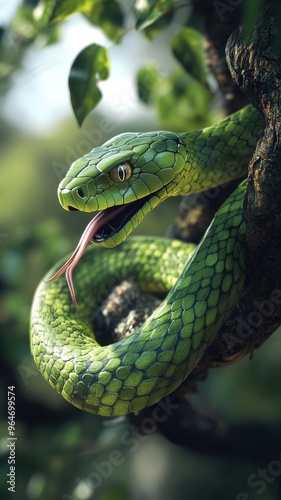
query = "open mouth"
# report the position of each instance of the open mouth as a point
(103, 226)
(119, 219)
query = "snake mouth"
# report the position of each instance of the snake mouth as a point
(118, 219)
(104, 225)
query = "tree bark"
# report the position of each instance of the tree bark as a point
(219, 20)
(256, 70)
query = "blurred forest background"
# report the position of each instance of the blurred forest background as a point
(61, 452)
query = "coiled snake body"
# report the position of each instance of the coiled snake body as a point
(124, 179)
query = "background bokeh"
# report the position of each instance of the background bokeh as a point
(61, 452)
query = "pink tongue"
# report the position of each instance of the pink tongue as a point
(94, 225)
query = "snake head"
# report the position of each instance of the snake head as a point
(123, 179)
(134, 170)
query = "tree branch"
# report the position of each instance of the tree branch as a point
(219, 20)
(257, 313)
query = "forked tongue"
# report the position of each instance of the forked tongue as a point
(94, 225)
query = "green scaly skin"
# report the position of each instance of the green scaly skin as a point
(140, 370)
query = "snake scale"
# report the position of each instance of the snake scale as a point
(124, 179)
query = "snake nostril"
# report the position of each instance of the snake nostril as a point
(81, 193)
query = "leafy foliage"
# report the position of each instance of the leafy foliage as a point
(90, 66)
(187, 46)
(41, 19)
(103, 13)
(15, 40)
(149, 11)
(175, 97)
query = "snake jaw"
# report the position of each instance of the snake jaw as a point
(88, 234)
(117, 223)
(102, 222)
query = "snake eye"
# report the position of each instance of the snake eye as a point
(121, 173)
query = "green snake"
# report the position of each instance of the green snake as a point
(124, 179)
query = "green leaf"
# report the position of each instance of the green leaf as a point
(62, 10)
(158, 27)
(107, 15)
(103, 13)
(187, 47)
(148, 11)
(43, 11)
(180, 102)
(148, 79)
(90, 66)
